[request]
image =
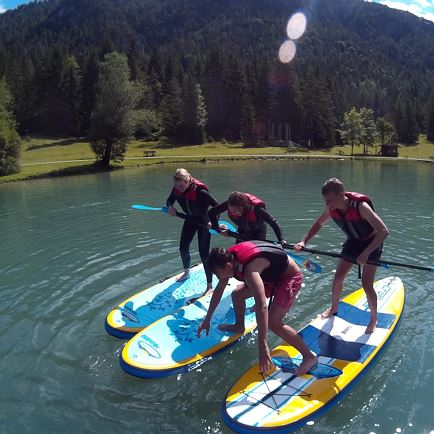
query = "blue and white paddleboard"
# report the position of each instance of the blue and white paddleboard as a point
(149, 305)
(170, 345)
(280, 402)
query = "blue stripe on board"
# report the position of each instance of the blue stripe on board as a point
(328, 346)
(360, 317)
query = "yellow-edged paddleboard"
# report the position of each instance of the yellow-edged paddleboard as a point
(280, 402)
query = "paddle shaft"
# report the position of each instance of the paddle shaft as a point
(350, 259)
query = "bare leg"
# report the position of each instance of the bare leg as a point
(337, 286)
(368, 285)
(289, 335)
(239, 296)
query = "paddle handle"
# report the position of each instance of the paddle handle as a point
(381, 263)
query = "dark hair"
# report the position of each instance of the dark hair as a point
(218, 258)
(333, 185)
(237, 198)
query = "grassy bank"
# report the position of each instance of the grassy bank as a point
(45, 157)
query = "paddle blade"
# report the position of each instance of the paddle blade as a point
(228, 225)
(148, 208)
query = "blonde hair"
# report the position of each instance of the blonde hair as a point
(182, 175)
(333, 185)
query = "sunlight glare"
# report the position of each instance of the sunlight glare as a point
(287, 51)
(296, 25)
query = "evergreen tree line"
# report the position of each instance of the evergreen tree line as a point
(208, 70)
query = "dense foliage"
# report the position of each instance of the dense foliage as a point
(9, 138)
(207, 67)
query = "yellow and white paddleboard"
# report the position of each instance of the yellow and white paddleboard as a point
(280, 402)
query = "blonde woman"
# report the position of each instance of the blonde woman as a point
(194, 198)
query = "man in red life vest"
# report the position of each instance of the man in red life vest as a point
(266, 271)
(365, 231)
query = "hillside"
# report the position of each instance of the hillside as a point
(353, 53)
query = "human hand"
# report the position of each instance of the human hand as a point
(362, 259)
(300, 246)
(171, 211)
(204, 326)
(265, 362)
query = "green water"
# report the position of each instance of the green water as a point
(72, 248)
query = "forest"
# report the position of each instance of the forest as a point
(209, 70)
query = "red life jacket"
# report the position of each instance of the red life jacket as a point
(247, 251)
(351, 222)
(248, 221)
(188, 200)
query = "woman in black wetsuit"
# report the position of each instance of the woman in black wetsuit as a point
(194, 198)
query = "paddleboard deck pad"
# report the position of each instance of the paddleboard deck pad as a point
(280, 402)
(149, 305)
(170, 345)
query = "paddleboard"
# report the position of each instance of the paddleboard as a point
(280, 402)
(170, 345)
(151, 304)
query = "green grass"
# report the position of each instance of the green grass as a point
(44, 157)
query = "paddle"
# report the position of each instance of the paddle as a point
(300, 260)
(381, 263)
(182, 216)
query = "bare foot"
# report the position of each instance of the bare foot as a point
(306, 365)
(184, 276)
(328, 313)
(234, 328)
(192, 300)
(371, 327)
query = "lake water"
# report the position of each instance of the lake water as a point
(71, 249)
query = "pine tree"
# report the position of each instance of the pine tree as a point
(430, 126)
(9, 138)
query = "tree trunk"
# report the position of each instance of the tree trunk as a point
(105, 162)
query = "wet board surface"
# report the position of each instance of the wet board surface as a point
(280, 402)
(170, 345)
(155, 302)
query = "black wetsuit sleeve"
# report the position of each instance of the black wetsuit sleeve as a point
(206, 197)
(263, 214)
(215, 211)
(171, 199)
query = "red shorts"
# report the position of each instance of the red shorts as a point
(284, 292)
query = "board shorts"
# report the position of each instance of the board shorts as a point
(353, 248)
(285, 291)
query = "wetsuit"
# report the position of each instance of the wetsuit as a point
(195, 202)
(254, 228)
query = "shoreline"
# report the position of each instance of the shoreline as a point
(92, 167)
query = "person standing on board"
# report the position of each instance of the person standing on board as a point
(266, 272)
(194, 198)
(365, 231)
(249, 214)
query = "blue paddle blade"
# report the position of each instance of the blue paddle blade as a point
(311, 266)
(149, 208)
(229, 226)
(222, 222)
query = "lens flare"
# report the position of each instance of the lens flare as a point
(287, 51)
(296, 25)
